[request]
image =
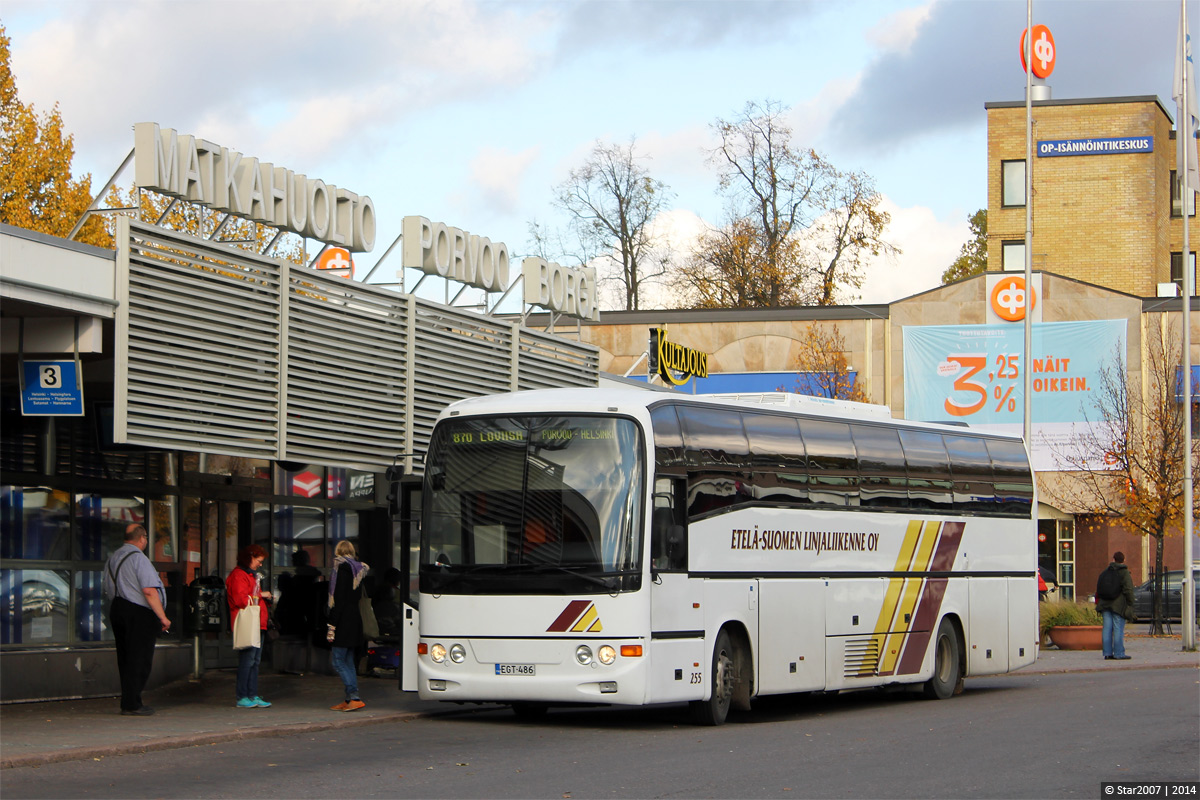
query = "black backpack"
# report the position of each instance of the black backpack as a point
(1108, 586)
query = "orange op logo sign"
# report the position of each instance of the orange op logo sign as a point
(336, 260)
(1008, 299)
(1043, 51)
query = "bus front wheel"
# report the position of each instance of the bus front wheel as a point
(947, 668)
(714, 710)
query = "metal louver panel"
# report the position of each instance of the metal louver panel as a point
(456, 354)
(546, 361)
(198, 333)
(862, 657)
(220, 350)
(345, 370)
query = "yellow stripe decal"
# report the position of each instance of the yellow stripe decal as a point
(887, 612)
(589, 616)
(922, 558)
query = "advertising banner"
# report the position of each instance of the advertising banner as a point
(974, 374)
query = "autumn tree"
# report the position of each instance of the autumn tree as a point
(1127, 466)
(972, 258)
(824, 370)
(37, 191)
(612, 201)
(798, 227)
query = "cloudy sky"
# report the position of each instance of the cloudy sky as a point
(470, 112)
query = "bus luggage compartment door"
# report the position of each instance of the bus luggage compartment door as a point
(792, 640)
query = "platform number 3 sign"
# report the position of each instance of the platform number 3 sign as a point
(50, 376)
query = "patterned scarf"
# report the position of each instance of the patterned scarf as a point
(357, 568)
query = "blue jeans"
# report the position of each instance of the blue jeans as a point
(343, 665)
(247, 674)
(1113, 637)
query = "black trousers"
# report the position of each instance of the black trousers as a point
(135, 629)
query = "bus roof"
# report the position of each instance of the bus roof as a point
(591, 399)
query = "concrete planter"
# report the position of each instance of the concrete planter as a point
(1077, 637)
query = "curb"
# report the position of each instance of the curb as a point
(180, 742)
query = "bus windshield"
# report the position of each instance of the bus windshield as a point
(532, 505)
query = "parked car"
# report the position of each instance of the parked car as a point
(1143, 597)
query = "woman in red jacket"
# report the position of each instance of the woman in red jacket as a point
(242, 588)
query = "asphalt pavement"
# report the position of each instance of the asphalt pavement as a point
(199, 712)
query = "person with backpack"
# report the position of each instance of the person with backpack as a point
(1114, 601)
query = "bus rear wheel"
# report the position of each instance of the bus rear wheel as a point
(947, 667)
(714, 710)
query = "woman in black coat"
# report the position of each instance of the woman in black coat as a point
(345, 623)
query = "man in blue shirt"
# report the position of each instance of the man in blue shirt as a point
(136, 614)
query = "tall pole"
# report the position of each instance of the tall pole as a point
(1025, 358)
(1188, 612)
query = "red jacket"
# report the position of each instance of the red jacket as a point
(240, 587)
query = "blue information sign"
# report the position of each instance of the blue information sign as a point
(1095, 147)
(51, 389)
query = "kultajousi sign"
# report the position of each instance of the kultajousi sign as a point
(674, 363)
(200, 171)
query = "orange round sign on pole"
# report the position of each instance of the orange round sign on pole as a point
(1043, 51)
(338, 260)
(1008, 298)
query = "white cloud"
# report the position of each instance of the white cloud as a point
(264, 71)
(497, 176)
(899, 30)
(928, 246)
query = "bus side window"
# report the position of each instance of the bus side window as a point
(1014, 482)
(929, 483)
(883, 481)
(832, 462)
(780, 471)
(668, 536)
(717, 460)
(971, 468)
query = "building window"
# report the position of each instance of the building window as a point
(1013, 256)
(1012, 183)
(1177, 272)
(1175, 205)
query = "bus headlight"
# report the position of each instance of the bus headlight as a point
(438, 653)
(458, 653)
(583, 654)
(607, 654)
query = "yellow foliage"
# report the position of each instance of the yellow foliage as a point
(37, 191)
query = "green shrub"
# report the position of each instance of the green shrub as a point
(1054, 613)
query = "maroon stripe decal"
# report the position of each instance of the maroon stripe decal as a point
(947, 549)
(924, 619)
(568, 616)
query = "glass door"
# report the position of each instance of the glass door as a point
(220, 525)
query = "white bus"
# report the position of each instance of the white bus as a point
(588, 546)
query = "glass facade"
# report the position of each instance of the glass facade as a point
(61, 518)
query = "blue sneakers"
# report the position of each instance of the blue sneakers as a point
(260, 703)
(246, 702)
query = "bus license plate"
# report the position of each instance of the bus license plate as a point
(516, 669)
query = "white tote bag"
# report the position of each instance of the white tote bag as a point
(246, 630)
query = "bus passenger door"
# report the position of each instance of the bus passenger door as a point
(408, 548)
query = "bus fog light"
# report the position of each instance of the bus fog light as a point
(438, 653)
(437, 685)
(583, 654)
(608, 687)
(458, 653)
(607, 654)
